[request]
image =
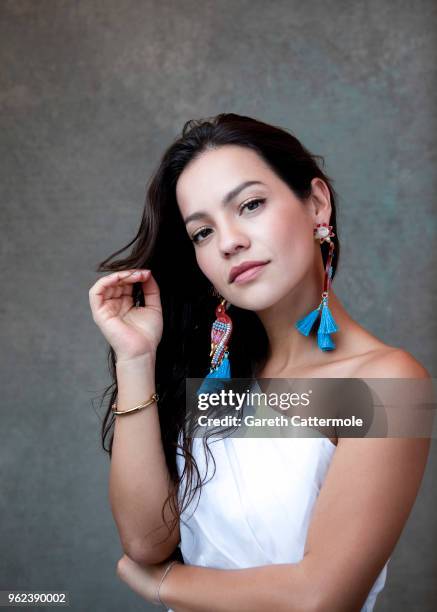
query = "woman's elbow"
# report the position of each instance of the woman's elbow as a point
(149, 556)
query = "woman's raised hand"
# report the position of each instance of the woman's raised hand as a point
(131, 331)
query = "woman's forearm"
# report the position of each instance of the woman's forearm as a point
(139, 479)
(280, 587)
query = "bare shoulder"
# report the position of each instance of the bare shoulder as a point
(390, 362)
(367, 477)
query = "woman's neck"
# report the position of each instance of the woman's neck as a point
(288, 348)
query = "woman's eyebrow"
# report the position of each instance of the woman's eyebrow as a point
(227, 198)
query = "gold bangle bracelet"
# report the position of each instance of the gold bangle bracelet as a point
(154, 398)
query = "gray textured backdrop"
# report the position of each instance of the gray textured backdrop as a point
(91, 93)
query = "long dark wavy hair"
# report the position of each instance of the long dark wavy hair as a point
(163, 246)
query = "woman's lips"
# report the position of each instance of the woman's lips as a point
(249, 274)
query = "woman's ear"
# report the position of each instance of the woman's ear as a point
(320, 201)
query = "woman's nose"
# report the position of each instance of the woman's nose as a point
(232, 240)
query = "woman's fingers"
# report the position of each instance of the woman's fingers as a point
(151, 292)
(105, 287)
(132, 276)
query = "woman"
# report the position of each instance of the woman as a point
(233, 191)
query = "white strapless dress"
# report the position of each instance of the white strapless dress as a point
(257, 508)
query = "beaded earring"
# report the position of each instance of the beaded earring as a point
(327, 326)
(221, 331)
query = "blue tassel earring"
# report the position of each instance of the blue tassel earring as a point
(327, 325)
(220, 337)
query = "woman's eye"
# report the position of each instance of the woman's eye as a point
(200, 233)
(203, 233)
(248, 204)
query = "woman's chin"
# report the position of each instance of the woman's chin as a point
(257, 299)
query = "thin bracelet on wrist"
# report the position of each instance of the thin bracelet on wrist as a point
(158, 599)
(153, 398)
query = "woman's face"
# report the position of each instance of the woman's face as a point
(232, 222)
